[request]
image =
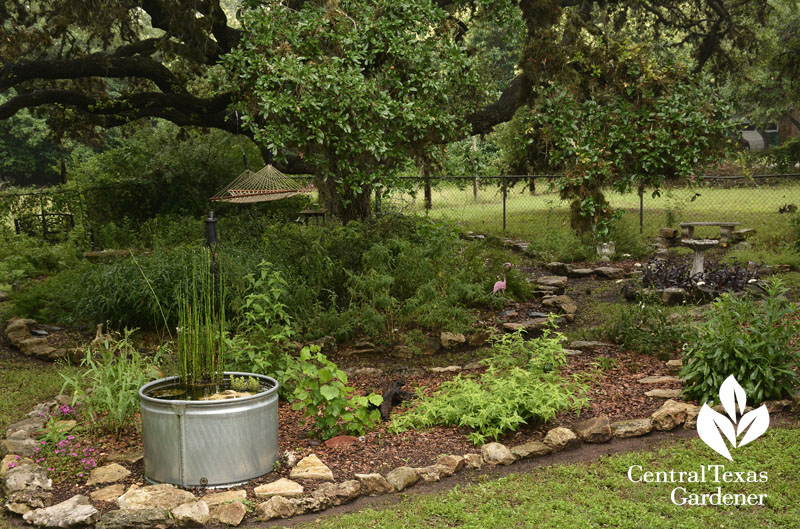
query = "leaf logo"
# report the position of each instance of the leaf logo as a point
(711, 425)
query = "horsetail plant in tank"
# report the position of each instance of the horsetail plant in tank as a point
(201, 317)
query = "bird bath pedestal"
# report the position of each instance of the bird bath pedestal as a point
(699, 246)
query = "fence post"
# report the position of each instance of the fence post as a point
(377, 200)
(505, 192)
(641, 210)
(428, 200)
(475, 179)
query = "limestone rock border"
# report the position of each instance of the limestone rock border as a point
(27, 488)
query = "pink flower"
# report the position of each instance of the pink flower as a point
(11, 465)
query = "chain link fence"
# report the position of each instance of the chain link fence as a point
(526, 205)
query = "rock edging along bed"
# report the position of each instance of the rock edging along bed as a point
(26, 485)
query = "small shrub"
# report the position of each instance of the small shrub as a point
(327, 403)
(522, 383)
(751, 339)
(109, 385)
(647, 328)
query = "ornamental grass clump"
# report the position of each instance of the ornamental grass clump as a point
(201, 325)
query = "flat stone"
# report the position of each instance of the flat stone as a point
(11, 461)
(107, 474)
(192, 513)
(136, 519)
(530, 326)
(451, 339)
(588, 345)
(363, 347)
(282, 487)
(402, 477)
(672, 295)
(478, 339)
(671, 415)
(276, 507)
(596, 430)
(310, 467)
(558, 282)
(368, 371)
(659, 379)
(662, 393)
(496, 454)
(565, 303)
(20, 447)
(668, 233)
(25, 428)
(433, 473)
(374, 484)
(341, 440)
(24, 501)
(132, 457)
(609, 272)
(229, 513)
(27, 477)
(161, 496)
(631, 428)
(334, 494)
(454, 462)
(777, 406)
(580, 272)
(573, 352)
(691, 418)
(559, 269)
(530, 449)
(108, 494)
(217, 498)
(561, 438)
(448, 369)
(674, 366)
(473, 460)
(76, 511)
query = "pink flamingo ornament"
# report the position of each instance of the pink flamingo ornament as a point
(501, 285)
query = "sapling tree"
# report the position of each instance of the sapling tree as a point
(642, 119)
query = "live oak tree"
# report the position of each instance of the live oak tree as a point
(84, 65)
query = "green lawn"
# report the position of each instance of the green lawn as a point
(600, 495)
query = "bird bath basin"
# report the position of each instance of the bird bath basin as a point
(699, 246)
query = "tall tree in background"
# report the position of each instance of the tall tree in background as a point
(85, 67)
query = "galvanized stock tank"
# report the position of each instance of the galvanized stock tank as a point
(217, 443)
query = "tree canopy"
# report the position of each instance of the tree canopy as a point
(196, 63)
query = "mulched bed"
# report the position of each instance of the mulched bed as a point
(615, 393)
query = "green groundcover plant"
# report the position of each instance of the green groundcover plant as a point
(522, 383)
(753, 339)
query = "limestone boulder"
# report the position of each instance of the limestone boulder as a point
(662, 393)
(310, 467)
(588, 345)
(609, 272)
(74, 512)
(191, 514)
(595, 430)
(452, 339)
(282, 487)
(136, 519)
(20, 447)
(25, 428)
(27, 477)
(531, 449)
(473, 460)
(107, 474)
(561, 438)
(454, 462)
(659, 379)
(161, 496)
(229, 513)
(433, 473)
(496, 454)
(276, 507)
(23, 501)
(374, 484)
(109, 494)
(402, 477)
(670, 415)
(631, 428)
(227, 496)
(334, 494)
